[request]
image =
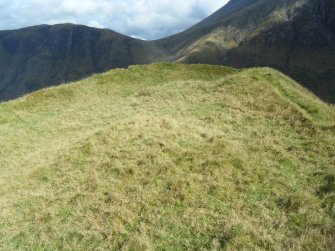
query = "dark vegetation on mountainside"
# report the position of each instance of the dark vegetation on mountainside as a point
(296, 37)
(36, 57)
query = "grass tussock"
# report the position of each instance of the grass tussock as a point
(168, 156)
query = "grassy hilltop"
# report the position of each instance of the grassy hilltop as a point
(169, 156)
(296, 37)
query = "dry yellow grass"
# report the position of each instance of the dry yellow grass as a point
(169, 157)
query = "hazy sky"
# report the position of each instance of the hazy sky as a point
(147, 19)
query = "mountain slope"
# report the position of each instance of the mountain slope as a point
(177, 42)
(40, 56)
(179, 156)
(296, 37)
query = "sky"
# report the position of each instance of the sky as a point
(145, 19)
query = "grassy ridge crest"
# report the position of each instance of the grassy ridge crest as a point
(168, 155)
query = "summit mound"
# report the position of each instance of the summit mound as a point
(169, 156)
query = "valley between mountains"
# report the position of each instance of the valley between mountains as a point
(296, 37)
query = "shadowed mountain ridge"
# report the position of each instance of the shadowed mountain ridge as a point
(293, 36)
(36, 57)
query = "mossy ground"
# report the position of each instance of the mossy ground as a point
(169, 157)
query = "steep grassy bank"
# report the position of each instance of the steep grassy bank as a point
(168, 157)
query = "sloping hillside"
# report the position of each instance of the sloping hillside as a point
(37, 57)
(296, 37)
(293, 36)
(169, 156)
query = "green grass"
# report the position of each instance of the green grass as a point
(169, 157)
